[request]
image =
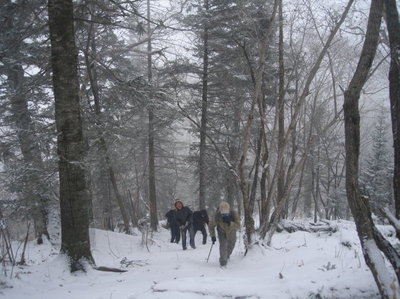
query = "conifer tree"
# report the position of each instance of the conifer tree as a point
(376, 175)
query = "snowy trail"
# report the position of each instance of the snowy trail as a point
(299, 265)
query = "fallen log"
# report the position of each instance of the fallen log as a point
(292, 226)
(109, 269)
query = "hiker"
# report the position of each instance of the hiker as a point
(173, 226)
(227, 223)
(184, 217)
(200, 219)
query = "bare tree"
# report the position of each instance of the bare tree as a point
(268, 228)
(267, 26)
(359, 206)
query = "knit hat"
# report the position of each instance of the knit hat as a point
(224, 207)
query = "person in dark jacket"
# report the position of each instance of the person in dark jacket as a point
(173, 226)
(200, 219)
(184, 217)
(227, 223)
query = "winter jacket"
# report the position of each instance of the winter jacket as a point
(184, 216)
(199, 219)
(228, 229)
(171, 217)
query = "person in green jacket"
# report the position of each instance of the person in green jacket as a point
(227, 223)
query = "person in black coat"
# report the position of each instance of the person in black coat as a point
(200, 219)
(184, 217)
(173, 225)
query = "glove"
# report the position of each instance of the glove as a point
(226, 219)
(213, 239)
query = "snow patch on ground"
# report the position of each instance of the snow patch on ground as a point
(297, 265)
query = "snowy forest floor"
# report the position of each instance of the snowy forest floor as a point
(297, 265)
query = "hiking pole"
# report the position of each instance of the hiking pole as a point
(212, 244)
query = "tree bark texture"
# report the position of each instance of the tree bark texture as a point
(280, 107)
(152, 175)
(74, 197)
(203, 125)
(358, 205)
(257, 160)
(393, 27)
(266, 202)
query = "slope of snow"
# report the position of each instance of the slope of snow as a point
(298, 265)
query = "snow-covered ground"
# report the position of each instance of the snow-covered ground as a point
(297, 265)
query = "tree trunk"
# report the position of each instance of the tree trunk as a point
(34, 190)
(253, 190)
(232, 190)
(271, 227)
(248, 219)
(262, 46)
(152, 171)
(92, 74)
(265, 201)
(280, 107)
(74, 197)
(390, 252)
(152, 175)
(113, 179)
(358, 205)
(203, 126)
(298, 193)
(106, 203)
(393, 27)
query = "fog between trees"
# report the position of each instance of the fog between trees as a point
(147, 102)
